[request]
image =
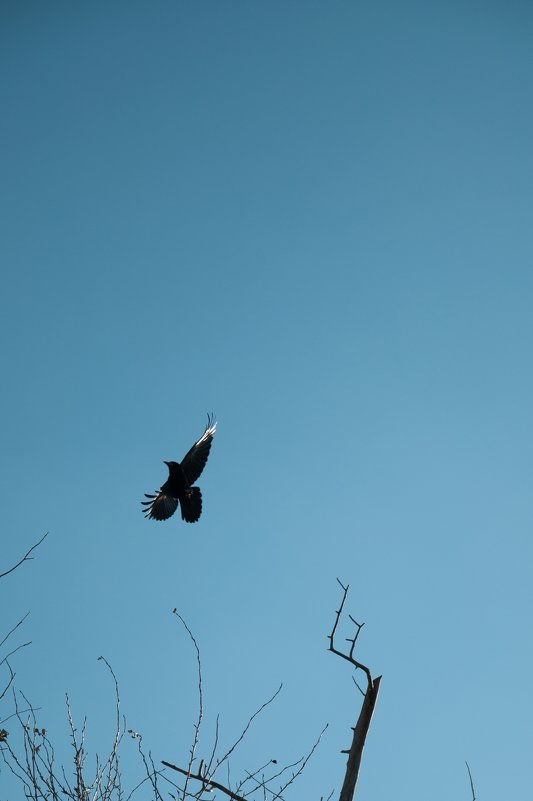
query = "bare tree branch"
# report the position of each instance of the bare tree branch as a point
(471, 781)
(33, 763)
(301, 762)
(25, 558)
(204, 774)
(206, 782)
(5, 659)
(244, 731)
(108, 774)
(215, 746)
(360, 731)
(35, 767)
(253, 776)
(349, 657)
(151, 773)
(200, 703)
(257, 783)
(9, 633)
(302, 766)
(23, 712)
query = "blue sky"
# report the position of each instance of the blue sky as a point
(313, 219)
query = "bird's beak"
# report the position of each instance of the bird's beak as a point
(167, 464)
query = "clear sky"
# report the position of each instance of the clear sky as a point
(313, 219)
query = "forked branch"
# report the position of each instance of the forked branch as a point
(26, 558)
(261, 782)
(360, 731)
(206, 782)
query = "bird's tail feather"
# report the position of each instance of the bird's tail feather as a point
(191, 505)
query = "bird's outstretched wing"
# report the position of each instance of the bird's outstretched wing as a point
(194, 461)
(160, 506)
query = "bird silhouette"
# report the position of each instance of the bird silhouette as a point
(178, 488)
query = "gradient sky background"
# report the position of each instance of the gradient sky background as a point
(313, 219)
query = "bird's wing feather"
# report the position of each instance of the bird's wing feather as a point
(195, 460)
(160, 506)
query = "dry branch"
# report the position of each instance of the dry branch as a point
(34, 764)
(471, 782)
(5, 659)
(360, 731)
(25, 558)
(206, 783)
(254, 782)
(200, 704)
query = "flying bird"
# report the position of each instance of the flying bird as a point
(178, 488)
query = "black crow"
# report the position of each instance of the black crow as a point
(178, 488)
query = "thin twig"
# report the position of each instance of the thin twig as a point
(253, 777)
(471, 781)
(214, 749)
(14, 714)
(200, 704)
(25, 558)
(107, 776)
(338, 613)
(302, 766)
(9, 633)
(243, 733)
(14, 651)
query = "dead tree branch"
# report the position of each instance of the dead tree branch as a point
(360, 731)
(205, 775)
(244, 731)
(152, 774)
(254, 783)
(207, 784)
(33, 762)
(25, 558)
(200, 704)
(301, 762)
(5, 659)
(471, 781)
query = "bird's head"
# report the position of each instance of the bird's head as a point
(170, 465)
